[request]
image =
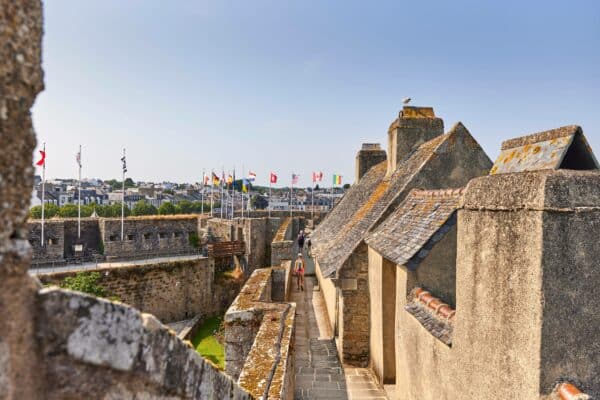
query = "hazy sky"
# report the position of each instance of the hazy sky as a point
(296, 86)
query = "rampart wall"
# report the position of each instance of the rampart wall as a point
(259, 335)
(148, 236)
(172, 291)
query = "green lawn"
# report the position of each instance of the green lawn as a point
(207, 345)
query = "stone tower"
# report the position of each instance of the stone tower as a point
(368, 156)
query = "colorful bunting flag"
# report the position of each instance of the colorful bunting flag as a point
(337, 179)
(215, 179)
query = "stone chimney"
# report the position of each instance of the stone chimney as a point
(368, 156)
(414, 126)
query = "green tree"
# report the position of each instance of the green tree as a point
(142, 207)
(166, 208)
(68, 211)
(129, 183)
(186, 207)
(259, 202)
(50, 210)
(347, 186)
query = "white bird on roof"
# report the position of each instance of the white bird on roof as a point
(406, 100)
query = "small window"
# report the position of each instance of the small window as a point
(147, 236)
(130, 237)
(113, 238)
(52, 241)
(178, 234)
(32, 242)
(162, 235)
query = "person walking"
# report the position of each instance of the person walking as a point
(301, 241)
(308, 247)
(299, 271)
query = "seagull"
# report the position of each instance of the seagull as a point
(406, 100)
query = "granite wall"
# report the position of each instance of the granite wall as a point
(259, 337)
(148, 236)
(171, 291)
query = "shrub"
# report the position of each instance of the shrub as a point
(86, 282)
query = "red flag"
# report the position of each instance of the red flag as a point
(317, 177)
(295, 179)
(273, 178)
(43, 159)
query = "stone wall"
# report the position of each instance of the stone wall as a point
(54, 240)
(171, 291)
(90, 239)
(526, 295)
(21, 79)
(101, 350)
(259, 338)
(354, 309)
(148, 236)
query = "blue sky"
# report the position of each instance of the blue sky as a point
(297, 86)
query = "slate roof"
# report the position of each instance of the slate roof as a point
(423, 218)
(366, 203)
(564, 148)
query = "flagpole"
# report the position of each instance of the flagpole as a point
(212, 194)
(43, 192)
(232, 192)
(222, 192)
(242, 193)
(312, 201)
(123, 200)
(202, 193)
(79, 198)
(291, 196)
(270, 195)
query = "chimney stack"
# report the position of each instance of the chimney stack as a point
(414, 126)
(368, 156)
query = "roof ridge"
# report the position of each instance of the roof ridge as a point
(542, 136)
(447, 192)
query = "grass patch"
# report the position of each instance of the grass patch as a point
(207, 344)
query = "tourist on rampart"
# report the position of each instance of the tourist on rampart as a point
(301, 240)
(299, 271)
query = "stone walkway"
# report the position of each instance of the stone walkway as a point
(319, 373)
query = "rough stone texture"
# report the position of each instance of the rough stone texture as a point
(259, 339)
(367, 157)
(144, 236)
(90, 239)
(564, 148)
(354, 309)
(172, 291)
(21, 79)
(54, 237)
(414, 126)
(93, 346)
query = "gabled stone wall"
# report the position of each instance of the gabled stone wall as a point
(259, 336)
